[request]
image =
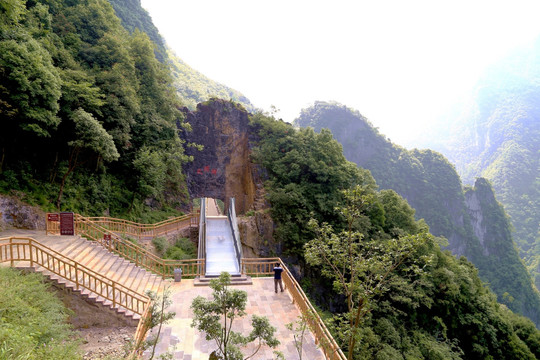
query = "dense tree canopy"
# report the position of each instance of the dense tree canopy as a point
(406, 298)
(80, 96)
(432, 186)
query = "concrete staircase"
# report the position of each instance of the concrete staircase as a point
(99, 260)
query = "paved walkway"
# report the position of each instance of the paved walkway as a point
(187, 343)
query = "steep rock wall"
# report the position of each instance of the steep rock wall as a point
(495, 254)
(223, 169)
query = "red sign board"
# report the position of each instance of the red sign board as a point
(53, 217)
(67, 223)
(107, 237)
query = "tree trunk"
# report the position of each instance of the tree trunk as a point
(71, 166)
(352, 341)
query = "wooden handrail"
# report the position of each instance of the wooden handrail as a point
(135, 253)
(142, 329)
(323, 337)
(128, 250)
(14, 249)
(131, 228)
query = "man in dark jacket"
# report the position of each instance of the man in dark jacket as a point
(277, 277)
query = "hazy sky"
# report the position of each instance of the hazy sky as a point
(400, 63)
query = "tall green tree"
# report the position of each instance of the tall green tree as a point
(359, 265)
(215, 318)
(91, 138)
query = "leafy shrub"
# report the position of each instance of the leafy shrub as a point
(182, 249)
(160, 244)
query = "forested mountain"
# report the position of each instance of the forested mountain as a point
(433, 188)
(496, 135)
(89, 115)
(432, 306)
(89, 112)
(90, 123)
(192, 86)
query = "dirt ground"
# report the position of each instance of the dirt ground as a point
(108, 342)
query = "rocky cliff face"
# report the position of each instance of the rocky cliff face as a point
(223, 170)
(494, 252)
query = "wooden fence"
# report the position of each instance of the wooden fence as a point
(323, 338)
(130, 228)
(128, 250)
(17, 249)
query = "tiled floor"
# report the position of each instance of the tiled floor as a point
(187, 343)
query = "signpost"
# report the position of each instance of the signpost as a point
(67, 223)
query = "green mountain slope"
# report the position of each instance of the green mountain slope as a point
(497, 136)
(192, 86)
(89, 115)
(433, 188)
(441, 312)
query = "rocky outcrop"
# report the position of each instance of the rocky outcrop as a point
(222, 169)
(495, 254)
(16, 214)
(256, 233)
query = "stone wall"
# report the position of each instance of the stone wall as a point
(16, 214)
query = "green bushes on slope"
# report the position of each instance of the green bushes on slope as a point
(32, 320)
(89, 114)
(442, 311)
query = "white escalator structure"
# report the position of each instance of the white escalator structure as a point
(219, 241)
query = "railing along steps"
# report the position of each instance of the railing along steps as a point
(101, 261)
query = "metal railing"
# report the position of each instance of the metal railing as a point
(235, 232)
(323, 338)
(130, 251)
(202, 237)
(17, 249)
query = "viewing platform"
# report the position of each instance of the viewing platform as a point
(185, 342)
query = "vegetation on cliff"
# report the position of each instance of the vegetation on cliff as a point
(89, 114)
(497, 136)
(433, 188)
(191, 86)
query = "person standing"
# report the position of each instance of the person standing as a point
(277, 277)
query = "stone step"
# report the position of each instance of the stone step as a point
(235, 280)
(95, 257)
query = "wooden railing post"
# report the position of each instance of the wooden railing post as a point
(113, 294)
(11, 250)
(76, 277)
(31, 255)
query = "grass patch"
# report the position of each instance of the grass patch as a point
(181, 249)
(33, 321)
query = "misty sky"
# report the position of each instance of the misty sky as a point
(400, 63)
